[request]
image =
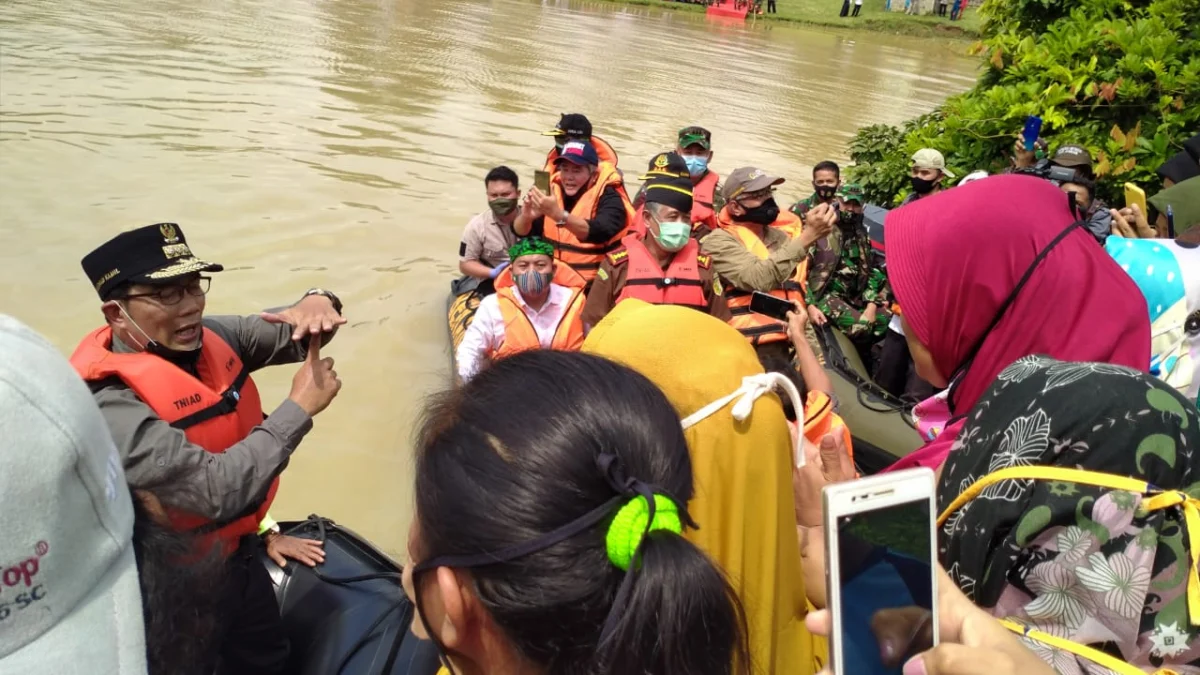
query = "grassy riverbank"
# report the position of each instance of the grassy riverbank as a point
(873, 17)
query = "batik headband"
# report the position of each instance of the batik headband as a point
(530, 246)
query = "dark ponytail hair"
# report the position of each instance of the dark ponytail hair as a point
(182, 592)
(512, 456)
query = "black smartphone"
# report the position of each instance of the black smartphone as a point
(769, 305)
(541, 180)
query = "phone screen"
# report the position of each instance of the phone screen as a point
(886, 587)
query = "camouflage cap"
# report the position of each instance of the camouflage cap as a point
(851, 192)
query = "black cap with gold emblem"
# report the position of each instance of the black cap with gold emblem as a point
(154, 254)
(668, 164)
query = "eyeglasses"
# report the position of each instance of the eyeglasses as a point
(171, 295)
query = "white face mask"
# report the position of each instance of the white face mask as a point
(753, 387)
(149, 341)
(152, 346)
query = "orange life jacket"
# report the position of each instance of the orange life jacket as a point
(757, 328)
(583, 257)
(519, 334)
(601, 146)
(789, 223)
(703, 194)
(215, 411)
(645, 279)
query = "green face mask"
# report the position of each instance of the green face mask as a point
(503, 206)
(673, 235)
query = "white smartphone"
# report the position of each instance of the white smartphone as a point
(881, 583)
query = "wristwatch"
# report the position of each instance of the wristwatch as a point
(563, 220)
(337, 304)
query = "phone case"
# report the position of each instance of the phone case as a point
(1135, 195)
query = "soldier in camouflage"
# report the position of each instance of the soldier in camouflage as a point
(845, 286)
(826, 179)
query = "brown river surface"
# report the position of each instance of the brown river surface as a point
(342, 144)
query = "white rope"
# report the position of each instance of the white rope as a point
(753, 387)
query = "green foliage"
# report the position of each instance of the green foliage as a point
(1120, 77)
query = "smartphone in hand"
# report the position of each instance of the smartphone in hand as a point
(1033, 129)
(1136, 195)
(769, 305)
(541, 180)
(881, 547)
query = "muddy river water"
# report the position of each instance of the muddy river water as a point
(342, 144)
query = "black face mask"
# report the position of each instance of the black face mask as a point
(184, 359)
(825, 192)
(763, 214)
(922, 186)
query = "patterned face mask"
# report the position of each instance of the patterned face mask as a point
(533, 284)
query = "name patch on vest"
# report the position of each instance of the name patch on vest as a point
(186, 401)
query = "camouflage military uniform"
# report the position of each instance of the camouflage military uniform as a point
(842, 280)
(805, 205)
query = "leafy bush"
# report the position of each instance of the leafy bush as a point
(1120, 77)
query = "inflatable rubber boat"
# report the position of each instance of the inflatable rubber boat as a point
(879, 422)
(349, 615)
(465, 294)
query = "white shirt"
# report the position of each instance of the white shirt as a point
(486, 332)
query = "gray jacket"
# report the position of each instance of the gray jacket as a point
(219, 486)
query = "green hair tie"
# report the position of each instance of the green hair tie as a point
(625, 533)
(530, 246)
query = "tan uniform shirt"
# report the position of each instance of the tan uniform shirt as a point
(487, 240)
(745, 271)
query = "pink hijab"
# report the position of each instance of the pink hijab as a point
(954, 258)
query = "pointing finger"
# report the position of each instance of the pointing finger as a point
(314, 348)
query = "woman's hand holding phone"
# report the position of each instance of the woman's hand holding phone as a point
(972, 642)
(1130, 222)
